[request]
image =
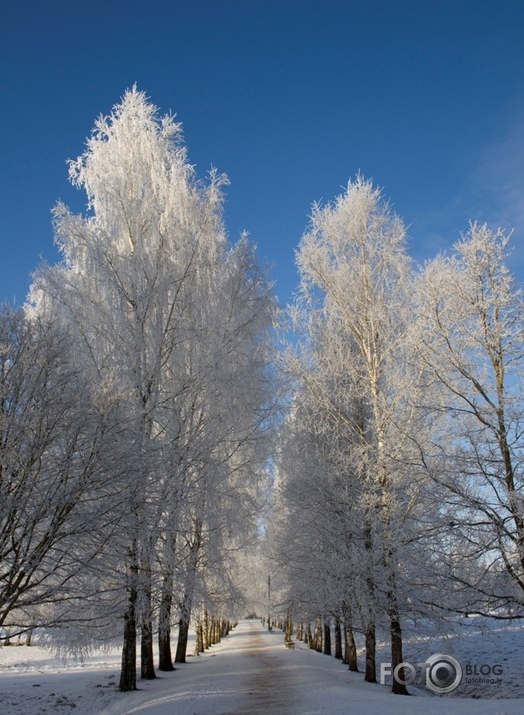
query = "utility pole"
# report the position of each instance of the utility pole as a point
(269, 603)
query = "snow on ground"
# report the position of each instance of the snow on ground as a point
(251, 672)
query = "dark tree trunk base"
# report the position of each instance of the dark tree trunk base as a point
(147, 665)
(370, 675)
(181, 647)
(128, 672)
(338, 640)
(165, 659)
(397, 656)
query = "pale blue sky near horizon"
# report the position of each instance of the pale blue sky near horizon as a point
(289, 98)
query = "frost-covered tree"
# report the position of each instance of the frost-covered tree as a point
(61, 476)
(127, 283)
(320, 536)
(353, 312)
(168, 316)
(470, 340)
(235, 427)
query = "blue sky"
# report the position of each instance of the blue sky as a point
(289, 98)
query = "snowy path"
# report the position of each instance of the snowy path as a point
(249, 673)
(252, 673)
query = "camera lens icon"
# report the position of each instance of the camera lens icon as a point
(443, 673)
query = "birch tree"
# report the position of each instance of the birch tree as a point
(470, 339)
(130, 284)
(58, 446)
(319, 521)
(171, 318)
(235, 422)
(355, 299)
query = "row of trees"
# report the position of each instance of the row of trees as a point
(400, 483)
(134, 405)
(136, 412)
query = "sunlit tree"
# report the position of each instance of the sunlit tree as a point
(470, 340)
(168, 316)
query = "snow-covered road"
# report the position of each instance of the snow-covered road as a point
(270, 681)
(251, 672)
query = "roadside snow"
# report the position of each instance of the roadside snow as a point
(251, 672)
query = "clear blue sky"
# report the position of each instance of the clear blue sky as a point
(289, 98)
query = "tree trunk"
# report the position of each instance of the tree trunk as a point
(128, 672)
(207, 642)
(165, 658)
(299, 632)
(370, 675)
(327, 637)
(199, 642)
(147, 663)
(317, 637)
(396, 655)
(213, 631)
(338, 639)
(308, 638)
(350, 648)
(186, 605)
(183, 635)
(371, 668)
(395, 629)
(288, 630)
